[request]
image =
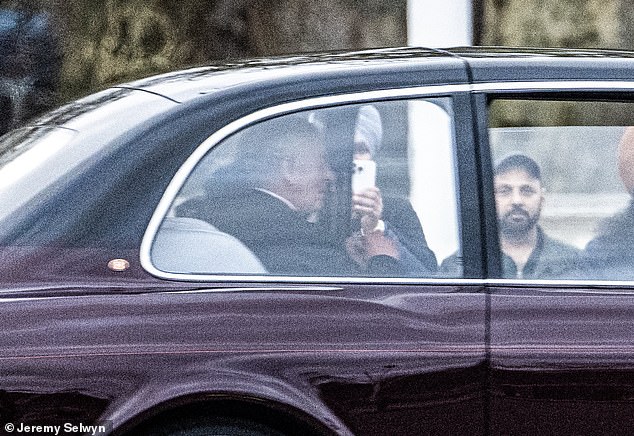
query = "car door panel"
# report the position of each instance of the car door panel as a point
(562, 361)
(408, 358)
(561, 348)
(95, 342)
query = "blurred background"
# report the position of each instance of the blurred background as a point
(52, 51)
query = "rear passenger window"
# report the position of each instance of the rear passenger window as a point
(563, 179)
(365, 190)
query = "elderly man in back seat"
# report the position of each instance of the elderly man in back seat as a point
(284, 178)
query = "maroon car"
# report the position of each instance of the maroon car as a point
(385, 242)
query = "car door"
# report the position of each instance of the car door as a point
(396, 351)
(561, 341)
(208, 320)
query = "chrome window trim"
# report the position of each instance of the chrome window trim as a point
(309, 103)
(555, 85)
(597, 286)
(305, 284)
(300, 288)
(588, 287)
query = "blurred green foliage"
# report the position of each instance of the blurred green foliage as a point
(112, 41)
(607, 24)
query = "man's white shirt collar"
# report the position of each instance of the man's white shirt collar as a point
(312, 218)
(279, 197)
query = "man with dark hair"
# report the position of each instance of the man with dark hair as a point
(527, 251)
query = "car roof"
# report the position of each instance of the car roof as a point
(188, 84)
(512, 64)
(487, 64)
(331, 73)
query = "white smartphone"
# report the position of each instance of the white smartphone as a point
(363, 175)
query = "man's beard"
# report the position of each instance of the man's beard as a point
(518, 228)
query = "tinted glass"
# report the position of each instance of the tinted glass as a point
(357, 190)
(564, 171)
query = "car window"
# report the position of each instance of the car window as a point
(563, 175)
(364, 190)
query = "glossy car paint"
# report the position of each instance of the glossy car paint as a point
(94, 344)
(561, 356)
(562, 361)
(374, 356)
(82, 343)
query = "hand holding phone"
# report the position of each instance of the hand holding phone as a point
(363, 176)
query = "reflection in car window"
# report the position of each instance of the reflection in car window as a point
(334, 192)
(577, 224)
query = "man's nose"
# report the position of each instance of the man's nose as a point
(517, 197)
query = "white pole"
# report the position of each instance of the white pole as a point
(435, 24)
(439, 23)
(432, 176)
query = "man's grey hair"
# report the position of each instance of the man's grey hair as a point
(264, 146)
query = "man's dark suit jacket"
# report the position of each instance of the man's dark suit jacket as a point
(282, 238)
(402, 220)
